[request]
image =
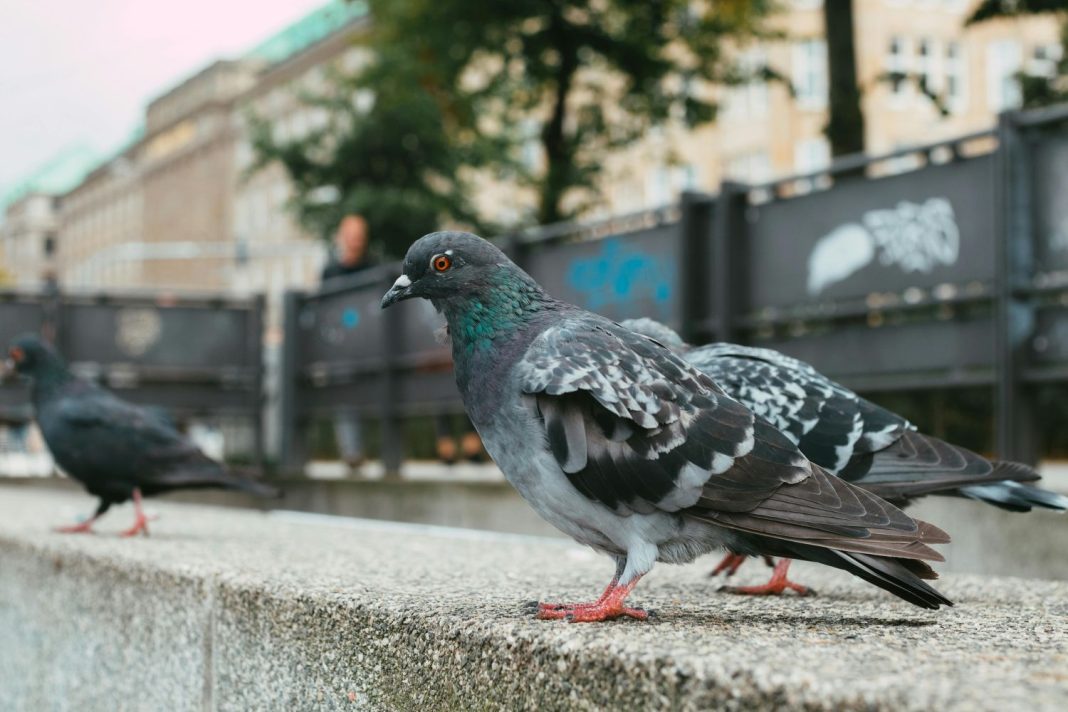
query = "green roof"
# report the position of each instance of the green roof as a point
(56, 176)
(305, 32)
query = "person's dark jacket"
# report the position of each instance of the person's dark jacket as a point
(335, 269)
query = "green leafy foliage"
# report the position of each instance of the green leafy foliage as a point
(394, 149)
(581, 77)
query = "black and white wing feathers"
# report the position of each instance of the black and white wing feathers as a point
(636, 428)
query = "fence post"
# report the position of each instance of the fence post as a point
(392, 425)
(1017, 437)
(291, 451)
(728, 244)
(695, 256)
(258, 397)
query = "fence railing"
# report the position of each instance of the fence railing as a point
(192, 355)
(940, 265)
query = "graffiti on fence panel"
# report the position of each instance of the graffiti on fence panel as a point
(915, 237)
(621, 275)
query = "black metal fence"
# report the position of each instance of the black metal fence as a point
(941, 265)
(193, 356)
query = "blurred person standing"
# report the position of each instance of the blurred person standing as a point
(350, 256)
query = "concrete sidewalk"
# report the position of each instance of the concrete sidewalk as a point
(233, 610)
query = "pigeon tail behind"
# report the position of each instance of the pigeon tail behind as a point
(1015, 497)
(213, 476)
(901, 577)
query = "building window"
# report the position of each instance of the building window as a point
(749, 100)
(752, 167)
(1003, 63)
(955, 89)
(812, 155)
(897, 66)
(810, 73)
(1044, 59)
(50, 244)
(928, 58)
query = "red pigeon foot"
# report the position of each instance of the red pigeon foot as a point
(140, 520)
(729, 563)
(607, 607)
(85, 527)
(777, 586)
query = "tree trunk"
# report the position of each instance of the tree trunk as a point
(559, 149)
(845, 129)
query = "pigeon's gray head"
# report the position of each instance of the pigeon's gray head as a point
(29, 356)
(442, 265)
(655, 330)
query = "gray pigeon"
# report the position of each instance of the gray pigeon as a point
(622, 445)
(851, 437)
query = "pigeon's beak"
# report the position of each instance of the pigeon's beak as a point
(401, 290)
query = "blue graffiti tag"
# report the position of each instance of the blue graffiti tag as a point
(350, 318)
(622, 275)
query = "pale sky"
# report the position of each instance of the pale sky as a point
(80, 71)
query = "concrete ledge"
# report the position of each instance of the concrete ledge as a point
(233, 610)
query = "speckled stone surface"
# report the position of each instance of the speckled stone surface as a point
(237, 610)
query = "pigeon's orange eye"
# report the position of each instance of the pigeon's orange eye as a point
(442, 263)
(16, 354)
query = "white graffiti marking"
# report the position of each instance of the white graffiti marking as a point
(914, 237)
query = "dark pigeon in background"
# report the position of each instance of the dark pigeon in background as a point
(851, 437)
(117, 450)
(622, 445)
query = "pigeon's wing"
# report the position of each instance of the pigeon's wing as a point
(834, 427)
(829, 423)
(121, 437)
(635, 427)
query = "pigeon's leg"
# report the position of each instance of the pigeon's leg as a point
(777, 586)
(550, 611)
(85, 527)
(729, 563)
(140, 520)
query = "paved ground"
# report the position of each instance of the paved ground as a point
(224, 609)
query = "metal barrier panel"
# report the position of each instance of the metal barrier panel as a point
(190, 355)
(19, 313)
(924, 354)
(918, 229)
(1050, 179)
(631, 275)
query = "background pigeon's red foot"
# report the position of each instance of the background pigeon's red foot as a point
(729, 563)
(777, 586)
(85, 527)
(140, 525)
(140, 520)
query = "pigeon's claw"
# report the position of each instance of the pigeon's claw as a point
(776, 586)
(85, 527)
(729, 564)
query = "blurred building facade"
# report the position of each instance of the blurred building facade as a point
(764, 132)
(180, 208)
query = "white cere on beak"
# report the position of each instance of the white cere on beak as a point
(403, 282)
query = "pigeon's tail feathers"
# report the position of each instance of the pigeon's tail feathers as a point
(1015, 471)
(902, 577)
(214, 476)
(917, 465)
(1015, 497)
